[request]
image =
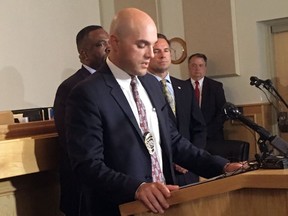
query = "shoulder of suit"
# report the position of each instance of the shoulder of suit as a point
(212, 81)
(75, 78)
(176, 80)
(182, 85)
(148, 78)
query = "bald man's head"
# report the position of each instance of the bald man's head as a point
(129, 19)
(132, 36)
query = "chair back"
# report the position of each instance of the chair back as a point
(233, 150)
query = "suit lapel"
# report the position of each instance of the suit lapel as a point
(177, 96)
(177, 93)
(205, 95)
(155, 94)
(153, 91)
(158, 102)
(120, 98)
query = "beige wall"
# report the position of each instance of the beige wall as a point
(251, 43)
(38, 51)
(208, 29)
(252, 48)
(38, 43)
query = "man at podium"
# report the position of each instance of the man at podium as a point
(121, 141)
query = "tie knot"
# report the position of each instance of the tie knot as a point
(133, 80)
(163, 81)
(196, 83)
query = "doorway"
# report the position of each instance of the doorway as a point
(280, 77)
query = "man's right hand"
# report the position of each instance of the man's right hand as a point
(154, 195)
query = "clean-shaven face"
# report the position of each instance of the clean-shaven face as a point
(197, 68)
(162, 58)
(97, 47)
(136, 50)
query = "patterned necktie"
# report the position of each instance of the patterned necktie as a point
(197, 92)
(157, 174)
(168, 95)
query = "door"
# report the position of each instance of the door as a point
(280, 44)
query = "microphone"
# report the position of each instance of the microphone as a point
(257, 82)
(267, 84)
(233, 113)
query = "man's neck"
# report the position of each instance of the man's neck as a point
(161, 75)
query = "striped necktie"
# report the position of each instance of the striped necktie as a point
(157, 173)
(169, 97)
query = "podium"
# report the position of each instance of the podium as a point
(259, 192)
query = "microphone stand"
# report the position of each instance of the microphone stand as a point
(282, 116)
(269, 87)
(266, 159)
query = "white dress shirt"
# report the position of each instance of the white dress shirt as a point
(124, 80)
(91, 70)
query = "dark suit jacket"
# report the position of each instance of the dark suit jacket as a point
(70, 195)
(189, 121)
(106, 146)
(213, 100)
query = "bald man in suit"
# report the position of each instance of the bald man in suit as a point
(109, 146)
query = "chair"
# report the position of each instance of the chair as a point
(233, 150)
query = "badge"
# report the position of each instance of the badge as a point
(149, 142)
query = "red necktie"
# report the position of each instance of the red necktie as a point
(157, 174)
(197, 92)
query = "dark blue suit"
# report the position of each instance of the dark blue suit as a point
(69, 186)
(189, 121)
(213, 100)
(106, 146)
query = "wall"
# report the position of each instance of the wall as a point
(38, 49)
(38, 44)
(253, 51)
(208, 29)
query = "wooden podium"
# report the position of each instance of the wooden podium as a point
(260, 192)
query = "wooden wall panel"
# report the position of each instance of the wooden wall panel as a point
(208, 30)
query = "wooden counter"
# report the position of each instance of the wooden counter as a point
(29, 184)
(260, 192)
(20, 130)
